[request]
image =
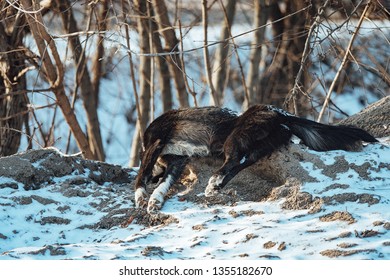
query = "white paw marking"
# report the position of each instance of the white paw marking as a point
(154, 206)
(141, 198)
(157, 198)
(211, 188)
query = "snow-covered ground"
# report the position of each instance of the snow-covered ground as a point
(75, 215)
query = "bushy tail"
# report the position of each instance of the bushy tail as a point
(322, 137)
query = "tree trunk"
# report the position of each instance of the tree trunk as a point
(89, 88)
(144, 79)
(13, 107)
(279, 78)
(54, 72)
(163, 71)
(261, 15)
(171, 45)
(221, 62)
(97, 67)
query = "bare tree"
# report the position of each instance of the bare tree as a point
(89, 88)
(221, 62)
(289, 37)
(13, 98)
(141, 8)
(163, 69)
(214, 100)
(53, 71)
(171, 45)
(261, 15)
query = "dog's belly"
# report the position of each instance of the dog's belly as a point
(183, 148)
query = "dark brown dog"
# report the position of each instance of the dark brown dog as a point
(176, 136)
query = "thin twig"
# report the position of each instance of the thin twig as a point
(344, 61)
(21, 132)
(192, 92)
(152, 61)
(306, 53)
(208, 44)
(132, 75)
(23, 10)
(206, 57)
(246, 92)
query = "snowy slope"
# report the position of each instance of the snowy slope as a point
(59, 207)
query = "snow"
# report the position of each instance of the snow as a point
(223, 232)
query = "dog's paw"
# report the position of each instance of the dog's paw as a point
(154, 205)
(209, 192)
(213, 185)
(141, 198)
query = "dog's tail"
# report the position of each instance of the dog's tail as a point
(322, 137)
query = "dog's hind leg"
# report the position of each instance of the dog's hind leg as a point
(174, 169)
(145, 173)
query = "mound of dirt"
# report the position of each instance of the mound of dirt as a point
(37, 168)
(52, 203)
(374, 119)
(272, 178)
(277, 177)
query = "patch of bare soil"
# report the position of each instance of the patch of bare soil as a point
(125, 217)
(344, 234)
(37, 168)
(294, 198)
(269, 245)
(338, 216)
(366, 233)
(270, 178)
(334, 253)
(350, 197)
(345, 245)
(52, 250)
(154, 251)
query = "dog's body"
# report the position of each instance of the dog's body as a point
(169, 142)
(176, 136)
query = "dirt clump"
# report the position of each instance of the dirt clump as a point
(37, 168)
(269, 245)
(341, 198)
(294, 198)
(338, 216)
(125, 217)
(366, 233)
(334, 253)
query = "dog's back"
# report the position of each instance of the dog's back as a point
(191, 131)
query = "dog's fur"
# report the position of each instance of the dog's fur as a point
(177, 135)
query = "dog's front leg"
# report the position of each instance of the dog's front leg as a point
(227, 172)
(175, 167)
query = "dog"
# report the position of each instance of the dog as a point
(176, 136)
